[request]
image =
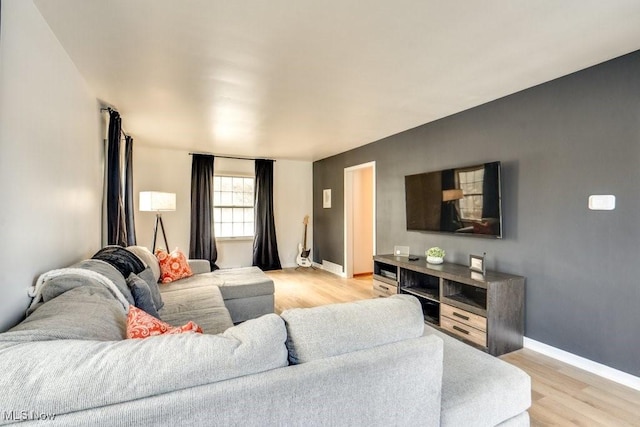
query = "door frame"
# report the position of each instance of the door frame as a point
(348, 214)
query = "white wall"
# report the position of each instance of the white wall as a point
(50, 158)
(292, 199)
(168, 171)
(158, 169)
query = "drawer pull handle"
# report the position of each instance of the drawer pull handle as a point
(384, 287)
(460, 316)
(460, 330)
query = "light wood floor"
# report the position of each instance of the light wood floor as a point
(562, 395)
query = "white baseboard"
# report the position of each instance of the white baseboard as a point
(332, 268)
(582, 363)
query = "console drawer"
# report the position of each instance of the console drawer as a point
(464, 317)
(464, 331)
(382, 289)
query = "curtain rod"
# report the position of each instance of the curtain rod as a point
(232, 157)
(110, 110)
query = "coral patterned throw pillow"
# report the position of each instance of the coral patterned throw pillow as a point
(173, 266)
(141, 324)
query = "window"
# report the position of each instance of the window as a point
(233, 206)
(470, 182)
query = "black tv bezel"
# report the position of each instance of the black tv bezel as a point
(499, 236)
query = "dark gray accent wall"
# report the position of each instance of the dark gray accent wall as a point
(558, 143)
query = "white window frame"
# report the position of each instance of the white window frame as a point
(218, 206)
(470, 198)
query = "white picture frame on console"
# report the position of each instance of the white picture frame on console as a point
(476, 263)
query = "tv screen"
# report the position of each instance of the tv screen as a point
(464, 201)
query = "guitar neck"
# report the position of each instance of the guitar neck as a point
(305, 237)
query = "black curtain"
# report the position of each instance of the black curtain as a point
(202, 244)
(116, 228)
(265, 247)
(490, 191)
(129, 218)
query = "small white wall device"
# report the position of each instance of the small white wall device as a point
(602, 202)
(401, 250)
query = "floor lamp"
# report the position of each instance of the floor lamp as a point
(451, 196)
(156, 201)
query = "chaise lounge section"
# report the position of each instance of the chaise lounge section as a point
(479, 389)
(215, 300)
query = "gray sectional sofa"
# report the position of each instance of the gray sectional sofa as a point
(369, 362)
(215, 300)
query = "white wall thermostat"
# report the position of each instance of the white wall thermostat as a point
(602, 202)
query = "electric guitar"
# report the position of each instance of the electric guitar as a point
(303, 253)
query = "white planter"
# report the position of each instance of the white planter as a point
(435, 260)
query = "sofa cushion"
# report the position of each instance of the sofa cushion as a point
(331, 330)
(86, 312)
(141, 324)
(65, 376)
(173, 266)
(242, 309)
(148, 276)
(243, 282)
(195, 281)
(477, 388)
(147, 258)
(199, 266)
(203, 305)
(141, 295)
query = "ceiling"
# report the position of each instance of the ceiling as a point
(307, 79)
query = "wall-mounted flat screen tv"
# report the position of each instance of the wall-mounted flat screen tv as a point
(465, 201)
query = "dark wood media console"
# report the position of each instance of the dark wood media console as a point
(486, 311)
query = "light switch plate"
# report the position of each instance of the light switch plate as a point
(602, 202)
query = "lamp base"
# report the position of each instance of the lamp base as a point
(155, 233)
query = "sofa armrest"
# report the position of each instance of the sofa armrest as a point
(199, 266)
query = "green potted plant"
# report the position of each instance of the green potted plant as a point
(435, 255)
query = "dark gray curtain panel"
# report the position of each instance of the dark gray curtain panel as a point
(202, 244)
(265, 247)
(120, 218)
(129, 218)
(116, 228)
(490, 195)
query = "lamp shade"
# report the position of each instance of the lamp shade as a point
(154, 201)
(449, 195)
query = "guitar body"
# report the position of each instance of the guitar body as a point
(303, 253)
(303, 256)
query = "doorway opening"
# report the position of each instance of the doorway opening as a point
(359, 219)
